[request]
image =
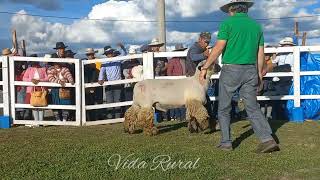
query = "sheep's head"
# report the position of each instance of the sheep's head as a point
(213, 69)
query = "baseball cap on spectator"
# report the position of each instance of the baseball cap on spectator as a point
(107, 50)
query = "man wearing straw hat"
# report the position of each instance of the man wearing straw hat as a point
(284, 58)
(240, 41)
(93, 95)
(160, 64)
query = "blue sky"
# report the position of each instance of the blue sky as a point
(80, 34)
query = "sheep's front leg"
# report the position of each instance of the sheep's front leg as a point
(147, 116)
(131, 119)
(192, 123)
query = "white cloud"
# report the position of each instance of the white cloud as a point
(41, 35)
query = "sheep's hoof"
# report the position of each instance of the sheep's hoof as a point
(154, 131)
(193, 127)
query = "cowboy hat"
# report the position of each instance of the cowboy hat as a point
(90, 51)
(60, 45)
(6, 52)
(287, 41)
(179, 47)
(226, 7)
(156, 42)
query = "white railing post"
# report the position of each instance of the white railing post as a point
(78, 91)
(148, 72)
(12, 89)
(5, 86)
(296, 77)
(83, 92)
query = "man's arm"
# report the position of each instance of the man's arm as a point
(215, 53)
(260, 61)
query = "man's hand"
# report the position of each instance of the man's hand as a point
(35, 81)
(202, 76)
(62, 83)
(206, 53)
(101, 82)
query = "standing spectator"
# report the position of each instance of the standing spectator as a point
(284, 58)
(177, 67)
(266, 87)
(111, 71)
(35, 74)
(60, 47)
(60, 96)
(241, 41)
(93, 95)
(160, 64)
(21, 114)
(127, 66)
(198, 52)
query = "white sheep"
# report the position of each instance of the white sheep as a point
(165, 94)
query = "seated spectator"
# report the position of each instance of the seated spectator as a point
(160, 64)
(111, 71)
(35, 74)
(93, 95)
(177, 67)
(60, 96)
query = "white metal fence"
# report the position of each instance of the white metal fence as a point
(107, 83)
(77, 85)
(148, 73)
(5, 105)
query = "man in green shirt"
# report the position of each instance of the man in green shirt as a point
(241, 43)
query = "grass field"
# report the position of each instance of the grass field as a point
(91, 153)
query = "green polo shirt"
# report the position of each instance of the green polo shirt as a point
(244, 36)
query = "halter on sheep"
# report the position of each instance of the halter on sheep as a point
(169, 94)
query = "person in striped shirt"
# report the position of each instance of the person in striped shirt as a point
(61, 75)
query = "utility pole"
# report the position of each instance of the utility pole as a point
(161, 23)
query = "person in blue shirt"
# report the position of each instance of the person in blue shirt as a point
(111, 71)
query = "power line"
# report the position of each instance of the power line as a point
(152, 21)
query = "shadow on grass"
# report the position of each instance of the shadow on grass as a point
(171, 127)
(275, 125)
